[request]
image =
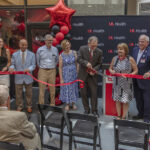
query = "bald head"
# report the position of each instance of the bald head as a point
(23, 44)
(4, 94)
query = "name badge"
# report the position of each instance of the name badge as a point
(142, 61)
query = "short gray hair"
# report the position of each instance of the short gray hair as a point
(4, 94)
(48, 36)
(145, 37)
(92, 38)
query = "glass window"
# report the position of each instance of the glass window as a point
(38, 38)
(11, 2)
(42, 2)
(12, 26)
(38, 15)
(97, 7)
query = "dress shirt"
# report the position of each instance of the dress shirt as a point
(91, 52)
(25, 54)
(47, 57)
(140, 53)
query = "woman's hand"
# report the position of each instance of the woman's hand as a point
(61, 81)
(112, 71)
(5, 69)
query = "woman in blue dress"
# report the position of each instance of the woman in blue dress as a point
(68, 72)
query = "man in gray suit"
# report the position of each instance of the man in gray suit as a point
(14, 126)
(89, 57)
(23, 60)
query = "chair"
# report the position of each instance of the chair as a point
(11, 146)
(54, 120)
(86, 126)
(131, 133)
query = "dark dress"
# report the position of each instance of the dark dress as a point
(4, 79)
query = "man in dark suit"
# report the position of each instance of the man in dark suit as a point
(141, 54)
(89, 57)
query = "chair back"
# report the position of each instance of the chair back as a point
(11, 146)
(82, 117)
(43, 108)
(131, 133)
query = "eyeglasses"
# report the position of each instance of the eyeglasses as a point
(49, 40)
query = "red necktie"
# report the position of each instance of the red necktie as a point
(91, 54)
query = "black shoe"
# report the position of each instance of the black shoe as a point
(147, 121)
(137, 117)
(86, 112)
(95, 114)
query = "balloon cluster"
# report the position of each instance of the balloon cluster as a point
(60, 25)
(59, 33)
(19, 17)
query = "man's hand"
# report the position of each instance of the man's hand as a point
(4, 69)
(89, 65)
(146, 75)
(11, 70)
(92, 74)
(26, 70)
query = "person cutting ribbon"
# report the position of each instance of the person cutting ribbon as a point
(89, 57)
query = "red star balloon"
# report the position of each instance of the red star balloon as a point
(60, 14)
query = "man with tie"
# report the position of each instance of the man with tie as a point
(47, 58)
(89, 57)
(23, 60)
(141, 54)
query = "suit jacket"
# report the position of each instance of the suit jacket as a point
(18, 66)
(16, 128)
(84, 58)
(143, 67)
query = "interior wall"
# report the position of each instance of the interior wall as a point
(132, 7)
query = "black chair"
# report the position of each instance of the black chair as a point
(86, 126)
(11, 146)
(54, 120)
(131, 133)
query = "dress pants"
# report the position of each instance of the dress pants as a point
(19, 97)
(49, 76)
(92, 85)
(143, 102)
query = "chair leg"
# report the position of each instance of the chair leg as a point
(70, 141)
(99, 137)
(116, 145)
(41, 134)
(75, 144)
(61, 139)
(94, 143)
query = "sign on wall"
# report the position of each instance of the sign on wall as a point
(110, 31)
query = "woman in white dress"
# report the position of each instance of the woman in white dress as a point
(122, 86)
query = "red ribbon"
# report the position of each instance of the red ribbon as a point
(129, 76)
(27, 73)
(119, 74)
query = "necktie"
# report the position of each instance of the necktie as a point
(23, 57)
(91, 54)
